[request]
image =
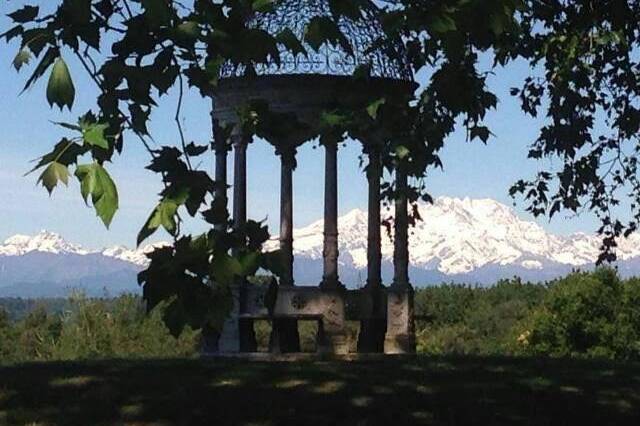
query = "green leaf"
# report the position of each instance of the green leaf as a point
(289, 40)
(262, 6)
(442, 24)
(60, 90)
(323, 29)
(333, 119)
(157, 12)
(373, 108)
(188, 30)
(26, 14)
(481, 132)
(212, 69)
(352, 9)
(65, 152)
(54, 173)
(12, 33)
(225, 269)
(163, 215)
(93, 135)
(68, 126)
(95, 181)
(402, 151)
(22, 58)
(42, 67)
(194, 150)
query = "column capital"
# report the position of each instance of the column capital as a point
(240, 140)
(221, 145)
(287, 154)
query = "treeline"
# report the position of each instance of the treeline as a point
(586, 315)
(18, 308)
(591, 315)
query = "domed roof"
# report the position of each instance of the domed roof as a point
(368, 44)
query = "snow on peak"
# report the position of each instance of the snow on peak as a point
(456, 236)
(45, 241)
(50, 242)
(138, 256)
(461, 235)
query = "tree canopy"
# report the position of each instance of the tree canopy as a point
(135, 51)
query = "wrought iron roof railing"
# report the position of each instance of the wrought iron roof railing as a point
(370, 47)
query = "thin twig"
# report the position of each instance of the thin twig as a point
(177, 118)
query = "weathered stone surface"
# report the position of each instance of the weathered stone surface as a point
(229, 341)
(400, 336)
(332, 335)
(305, 96)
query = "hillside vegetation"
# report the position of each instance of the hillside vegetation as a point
(584, 315)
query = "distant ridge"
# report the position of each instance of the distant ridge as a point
(459, 240)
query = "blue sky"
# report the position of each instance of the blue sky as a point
(470, 169)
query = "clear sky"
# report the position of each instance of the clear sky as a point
(470, 169)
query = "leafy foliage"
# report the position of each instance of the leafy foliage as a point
(457, 319)
(586, 315)
(90, 329)
(589, 93)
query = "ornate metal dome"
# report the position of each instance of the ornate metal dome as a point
(370, 47)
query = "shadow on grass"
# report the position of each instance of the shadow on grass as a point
(429, 391)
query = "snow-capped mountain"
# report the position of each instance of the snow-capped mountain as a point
(50, 242)
(45, 265)
(45, 242)
(459, 240)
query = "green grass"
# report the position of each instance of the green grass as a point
(430, 391)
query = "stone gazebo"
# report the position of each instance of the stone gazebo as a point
(303, 86)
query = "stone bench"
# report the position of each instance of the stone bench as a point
(330, 308)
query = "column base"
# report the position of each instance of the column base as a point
(400, 344)
(229, 341)
(333, 343)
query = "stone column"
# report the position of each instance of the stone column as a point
(330, 250)
(332, 334)
(374, 256)
(229, 338)
(285, 337)
(401, 232)
(400, 336)
(221, 147)
(287, 166)
(372, 329)
(240, 143)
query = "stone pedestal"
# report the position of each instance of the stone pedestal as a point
(229, 341)
(248, 342)
(400, 337)
(332, 333)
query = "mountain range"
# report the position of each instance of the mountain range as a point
(458, 240)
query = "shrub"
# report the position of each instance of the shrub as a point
(93, 328)
(586, 315)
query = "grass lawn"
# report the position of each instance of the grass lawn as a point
(430, 391)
